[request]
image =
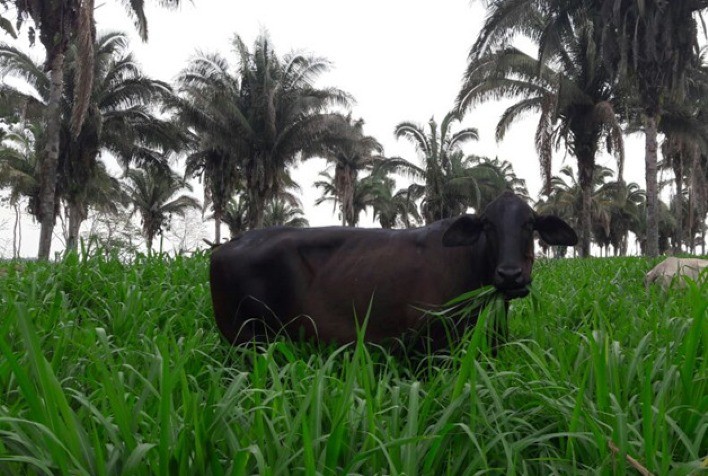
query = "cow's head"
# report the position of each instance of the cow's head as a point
(508, 224)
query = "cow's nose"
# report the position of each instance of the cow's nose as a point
(509, 274)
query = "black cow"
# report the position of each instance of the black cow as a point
(315, 281)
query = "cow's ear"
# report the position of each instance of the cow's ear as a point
(463, 232)
(555, 231)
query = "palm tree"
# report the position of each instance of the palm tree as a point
(684, 123)
(567, 86)
(438, 146)
(220, 177)
(19, 170)
(60, 23)
(667, 225)
(625, 201)
(351, 153)
(397, 209)
(265, 115)
(283, 210)
(55, 20)
(648, 45)
(567, 196)
(698, 201)
(236, 215)
(25, 103)
(210, 106)
(364, 193)
(101, 192)
(284, 213)
(651, 45)
(679, 153)
(120, 120)
(153, 193)
(493, 177)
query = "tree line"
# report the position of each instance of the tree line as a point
(241, 122)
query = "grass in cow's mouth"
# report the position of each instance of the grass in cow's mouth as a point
(115, 368)
(480, 308)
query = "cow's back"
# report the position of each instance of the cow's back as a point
(316, 280)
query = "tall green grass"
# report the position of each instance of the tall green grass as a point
(113, 368)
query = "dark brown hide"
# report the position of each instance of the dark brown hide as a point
(315, 281)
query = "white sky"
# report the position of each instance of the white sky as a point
(402, 60)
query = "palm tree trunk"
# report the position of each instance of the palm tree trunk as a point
(256, 207)
(349, 211)
(16, 233)
(586, 221)
(217, 228)
(348, 177)
(585, 170)
(694, 188)
(48, 170)
(260, 215)
(344, 203)
(692, 242)
(678, 172)
(148, 240)
(75, 219)
(650, 130)
(433, 200)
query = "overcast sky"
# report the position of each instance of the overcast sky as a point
(402, 60)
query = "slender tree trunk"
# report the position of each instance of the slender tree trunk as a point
(76, 217)
(692, 241)
(650, 130)
(16, 233)
(217, 228)
(148, 240)
(678, 172)
(259, 216)
(585, 171)
(256, 206)
(345, 209)
(348, 177)
(695, 186)
(256, 215)
(50, 157)
(433, 199)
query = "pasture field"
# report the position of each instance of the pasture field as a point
(112, 368)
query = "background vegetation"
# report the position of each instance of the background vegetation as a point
(239, 122)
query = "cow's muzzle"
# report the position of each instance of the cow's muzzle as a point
(511, 281)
